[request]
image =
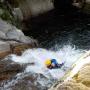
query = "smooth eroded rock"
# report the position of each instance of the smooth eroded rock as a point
(13, 40)
(83, 76)
(81, 81)
(8, 69)
(4, 49)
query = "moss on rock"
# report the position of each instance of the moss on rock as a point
(6, 13)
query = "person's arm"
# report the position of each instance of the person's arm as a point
(60, 65)
(49, 67)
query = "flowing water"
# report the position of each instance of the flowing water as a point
(45, 77)
(68, 41)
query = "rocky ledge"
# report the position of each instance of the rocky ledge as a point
(81, 81)
(13, 40)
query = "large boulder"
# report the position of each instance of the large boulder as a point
(13, 40)
(8, 69)
(81, 81)
(4, 49)
(77, 78)
(7, 31)
(71, 85)
(83, 5)
(31, 8)
(83, 76)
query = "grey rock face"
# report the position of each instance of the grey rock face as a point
(4, 46)
(4, 26)
(18, 14)
(7, 31)
(11, 37)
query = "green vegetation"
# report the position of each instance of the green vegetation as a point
(7, 14)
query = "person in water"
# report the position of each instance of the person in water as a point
(53, 64)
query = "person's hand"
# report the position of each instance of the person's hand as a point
(50, 67)
(53, 65)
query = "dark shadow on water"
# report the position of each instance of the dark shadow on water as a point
(55, 28)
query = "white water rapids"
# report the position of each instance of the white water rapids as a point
(67, 54)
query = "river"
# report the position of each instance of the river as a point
(61, 37)
(53, 28)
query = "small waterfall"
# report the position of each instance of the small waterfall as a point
(43, 77)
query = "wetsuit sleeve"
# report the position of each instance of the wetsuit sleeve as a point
(54, 61)
(60, 65)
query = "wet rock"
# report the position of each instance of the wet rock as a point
(81, 81)
(13, 40)
(31, 8)
(83, 5)
(14, 33)
(9, 32)
(28, 81)
(1, 11)
(18, 48)
(83, 76)
(4, 26)
(18, 14)
(4, 46)
(4, 49)
(8, 69)
(2, 34)
(70, 85)
(8, 47)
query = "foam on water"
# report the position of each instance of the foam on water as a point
(85, 59)
(38, 56)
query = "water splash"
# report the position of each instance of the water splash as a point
(38, 56)
(85, 59)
